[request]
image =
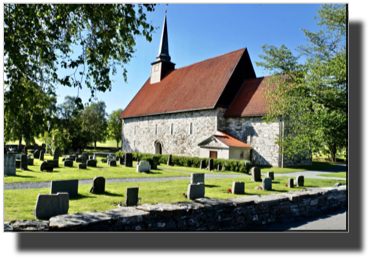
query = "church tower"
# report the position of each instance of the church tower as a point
(162, 65)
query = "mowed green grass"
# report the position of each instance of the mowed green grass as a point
(337, 175)
(196, 170)
(33, 174)
(20, 204)
(314, 166)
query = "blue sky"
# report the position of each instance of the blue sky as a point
(200, 31)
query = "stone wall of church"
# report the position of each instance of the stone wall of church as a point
(140, 134)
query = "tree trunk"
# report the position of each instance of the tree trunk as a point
(19, 143)
(333, 152)
(95, 145)
(117, 144)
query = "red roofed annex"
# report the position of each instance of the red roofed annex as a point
(212, 109)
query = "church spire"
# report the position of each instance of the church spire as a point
(162, 65)
(163, 52)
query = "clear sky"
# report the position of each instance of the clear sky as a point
(198, 32)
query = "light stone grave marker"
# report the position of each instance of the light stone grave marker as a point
(50, 205)
(197, 178)
(143, 166)
(195, 191)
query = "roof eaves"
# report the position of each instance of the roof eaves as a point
(164, 113)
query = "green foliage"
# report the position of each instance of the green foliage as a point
(94, 122)
(114, 126)
(120, 153)
(311, 98)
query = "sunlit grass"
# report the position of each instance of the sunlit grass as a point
(19, 204)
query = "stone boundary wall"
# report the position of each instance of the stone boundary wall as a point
(243, 213)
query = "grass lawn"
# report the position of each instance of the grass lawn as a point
(19, 204)
(63, 173)
(315, 166)
(196, 170)
(337, 174)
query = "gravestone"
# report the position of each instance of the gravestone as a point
(300, 180)
(68, 163)
(121, 160)
(5, 150)
(238, 187)
(54, 163)
(91, 163)
(267, 184)
(82, 166)
(84, 157)
(111, 158)
(50, 205)
(42, 154)
(112, 163)
(98, 185)
(57, 153)
(197, 178)
(131, 196)
(170, 163)
(256, 174)
(255, 161)
(210, 164)
(202, 165)
(46, 167)
(290, 183)
(128, 160)
(78, 159)
(24, 162)
(91, 158)
(36, 154)
(195, 191)
(154, 165)
(9, 164)
(143, 166)
(69, 186)
(18, 163)
(156, 160)
(270, 174)
(30, 161)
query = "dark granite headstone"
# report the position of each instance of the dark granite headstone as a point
(78, 160)
(256, 174)
(270, 174)
(9, 164)
(69, 186)
(255, 161)
(210, 165)
(267, 184)
(113, 163)
(36, 154)
(84, 157)
(68, 163)
(57, 153)
(195, 191)
(290, 183)
(202, 165)
(156, 160)
(82, 166)
(24, 162)
(98, 185)
(18, 163)
(121, 161)
(30, 161)
(53, 162)
(46, 167)
(238, 187)
(131, 196)
(50, 205)
(128, 160)
(91, 163)
(153, 165)
(219, 167)
(300, 180)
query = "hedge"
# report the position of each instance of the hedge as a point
(228, 165)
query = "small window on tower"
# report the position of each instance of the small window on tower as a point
(171, 129)
(191, 128)
(155, 131)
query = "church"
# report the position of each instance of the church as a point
(210, 109)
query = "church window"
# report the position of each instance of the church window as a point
(241, 154)
(191, 128)
(171, 129)
(135, 130)
(155, 131)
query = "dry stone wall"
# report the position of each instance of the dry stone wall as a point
(142, 133)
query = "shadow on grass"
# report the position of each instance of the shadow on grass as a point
(106, 193)
(211, 186)
(80, 196)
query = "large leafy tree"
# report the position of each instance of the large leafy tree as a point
(41, 38)
(311, 96)
(94, 122)
(114, 126)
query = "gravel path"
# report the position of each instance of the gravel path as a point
(306, 174)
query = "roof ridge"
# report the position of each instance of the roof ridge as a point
(211, 58)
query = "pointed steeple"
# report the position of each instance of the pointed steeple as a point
(162, 65)
(163, 52)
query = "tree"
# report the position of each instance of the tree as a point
(114, 126)
(40, 38)
(311, 96)
(94, 121)
(33, 111)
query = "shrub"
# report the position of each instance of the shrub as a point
(119, 153)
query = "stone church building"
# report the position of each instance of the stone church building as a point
(212, 108)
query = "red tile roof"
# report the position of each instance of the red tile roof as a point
(250, 100)
(230, 140)
(194, 87)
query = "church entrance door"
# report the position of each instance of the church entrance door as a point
(214, 154)
(158, 148)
